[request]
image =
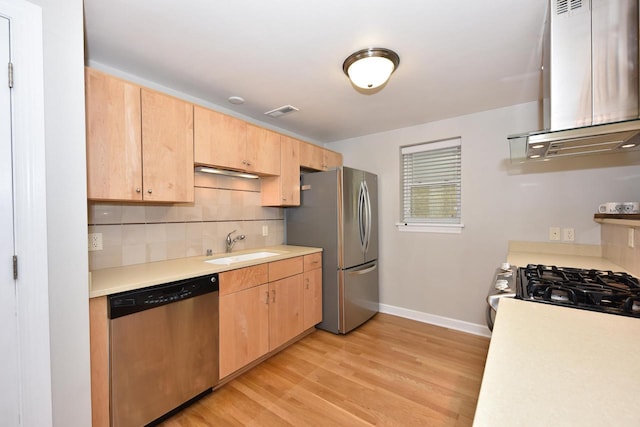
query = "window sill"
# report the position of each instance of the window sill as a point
(430, 228)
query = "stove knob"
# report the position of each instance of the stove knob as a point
(501, 285)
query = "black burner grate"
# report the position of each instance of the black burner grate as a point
(598, 290)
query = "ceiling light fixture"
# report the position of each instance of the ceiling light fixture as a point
(206, 169)
(370, 68)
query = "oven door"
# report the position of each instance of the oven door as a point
(492, 306)
(504, 286)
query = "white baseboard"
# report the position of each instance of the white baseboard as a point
(445, 322)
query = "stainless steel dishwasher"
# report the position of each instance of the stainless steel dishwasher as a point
(163, 348)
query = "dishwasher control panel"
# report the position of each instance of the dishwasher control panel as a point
(130, 302)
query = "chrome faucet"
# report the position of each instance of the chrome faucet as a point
(230, 242)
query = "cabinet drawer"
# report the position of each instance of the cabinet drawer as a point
(285, 268)
(243, 278)
(312, 261)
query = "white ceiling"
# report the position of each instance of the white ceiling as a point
(456, 57)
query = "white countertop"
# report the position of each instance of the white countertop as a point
(119, 279)
(558, 366)
(521, 259)
(559, 254)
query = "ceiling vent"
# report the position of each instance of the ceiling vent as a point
(281, 111)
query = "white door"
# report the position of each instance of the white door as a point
(9, 383)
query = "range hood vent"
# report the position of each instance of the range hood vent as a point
(592, 85)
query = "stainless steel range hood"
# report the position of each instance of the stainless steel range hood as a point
(593, 82)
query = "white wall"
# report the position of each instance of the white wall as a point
(447, 274)
(66, 210)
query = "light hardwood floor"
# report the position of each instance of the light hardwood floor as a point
(389, 372)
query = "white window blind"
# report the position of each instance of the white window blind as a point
(431, 183)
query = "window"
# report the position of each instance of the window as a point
(431, 187)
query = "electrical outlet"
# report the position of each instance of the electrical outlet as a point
(631, 238)
(95, 242)
(265, 230)
(554, 233)
(568, 235)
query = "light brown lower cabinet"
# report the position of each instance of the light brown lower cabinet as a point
(312, 297)
(285, 310)
(244, 328)
(260, 314)
(261, 308)
(99, 350)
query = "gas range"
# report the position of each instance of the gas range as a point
(589, 289)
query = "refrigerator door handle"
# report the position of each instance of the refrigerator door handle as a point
(363, 271)
(367, 200)
(361, 217)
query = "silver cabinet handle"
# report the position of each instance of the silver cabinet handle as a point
(138, 190)
(149, 191)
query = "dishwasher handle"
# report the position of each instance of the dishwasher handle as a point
(130, 302)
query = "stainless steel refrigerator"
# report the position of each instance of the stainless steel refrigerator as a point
(339, 213)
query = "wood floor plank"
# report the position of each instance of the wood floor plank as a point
(389, 372)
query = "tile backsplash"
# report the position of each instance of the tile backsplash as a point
(615, 246)
(140, 233)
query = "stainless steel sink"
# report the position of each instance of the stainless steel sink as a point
(228, 260)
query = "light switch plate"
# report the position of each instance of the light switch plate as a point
(554, 233)
(265, 230)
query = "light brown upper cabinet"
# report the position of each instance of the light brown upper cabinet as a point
(139, 142)
(167, 148)
(318, 158)
(230, 143)
(284, 190)
(331, 159)
(114, 138)
(263, 151)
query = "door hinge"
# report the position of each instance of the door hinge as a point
(15, 267)
(10, 74)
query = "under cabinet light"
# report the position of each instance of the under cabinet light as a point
(225, 172)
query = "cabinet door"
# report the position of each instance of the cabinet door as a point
(284, 190)
(244, 328)
(263, 151)
(318, 158)
(219, 140)
(312, 314)
(331, 159)
(290, 171)
(114, 153)
(167, 148)
(311, 156)
(99, 348)
(285, 310)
